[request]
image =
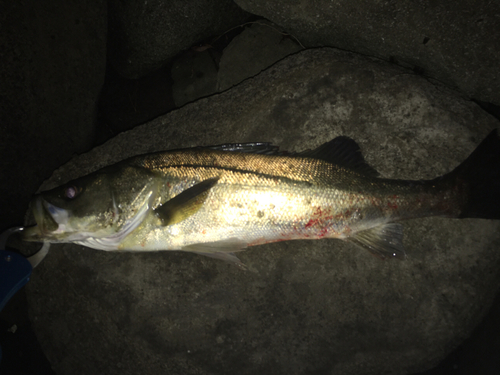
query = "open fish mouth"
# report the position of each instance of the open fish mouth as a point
(48, 219)
(58, 225)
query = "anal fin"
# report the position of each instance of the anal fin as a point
(222, 250)
(384, 241)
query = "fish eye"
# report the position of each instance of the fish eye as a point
(71, 192)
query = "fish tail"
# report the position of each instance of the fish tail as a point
(480, 173)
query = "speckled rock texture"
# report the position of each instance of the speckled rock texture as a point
(323, 307)
(144, 35)
(454, 42)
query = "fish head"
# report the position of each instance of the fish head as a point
(105, 205)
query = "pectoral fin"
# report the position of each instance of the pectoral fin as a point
(384, 241)
(222, 250)
(186, 203)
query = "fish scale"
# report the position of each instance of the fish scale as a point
(249, 205)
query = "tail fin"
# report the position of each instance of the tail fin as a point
(481, 173)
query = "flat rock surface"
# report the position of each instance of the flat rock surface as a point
(312, 306)
(454, 42)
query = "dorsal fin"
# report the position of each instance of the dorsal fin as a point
(263, 148)
(344, 152)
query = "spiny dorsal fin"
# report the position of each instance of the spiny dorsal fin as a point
(186, 203)
(344, 152)
(384, 241)
(263, 148)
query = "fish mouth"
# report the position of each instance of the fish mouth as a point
(48, 219)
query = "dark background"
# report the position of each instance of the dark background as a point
(123, 103)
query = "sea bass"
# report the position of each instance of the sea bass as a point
(218, 200)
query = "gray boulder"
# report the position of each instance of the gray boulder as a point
(312, 306)
(194, 76)
(145, 35)
(257, 47)
(454, 42)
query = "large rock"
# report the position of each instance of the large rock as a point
(194, 76)
(454, 42)
(312, 306)
(147, 34)
(257, 47)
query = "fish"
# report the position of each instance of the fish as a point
(219, 200)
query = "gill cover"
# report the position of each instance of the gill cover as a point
(98, 210)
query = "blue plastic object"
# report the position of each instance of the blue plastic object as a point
(15, 272)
